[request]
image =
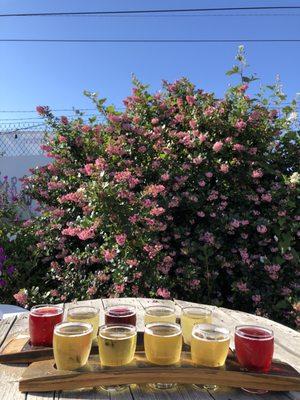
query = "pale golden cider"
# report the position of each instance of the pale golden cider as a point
(85, 314)
(159, 313)
(72, 342)
(209, 345)
(163, 343)
(191, 316)
(117, 344)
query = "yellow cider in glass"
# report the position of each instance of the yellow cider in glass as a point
(117, 344)
(159, 313)
(72, 342)
(191, 316)
(209, 345)
(85, 314)
(163, 343)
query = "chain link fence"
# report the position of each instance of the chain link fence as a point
(21, 139)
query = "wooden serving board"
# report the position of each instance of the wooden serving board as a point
(42, 376)
(18, 350)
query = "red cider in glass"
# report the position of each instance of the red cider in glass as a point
(121, 314)
(254, 347)
(42, 320)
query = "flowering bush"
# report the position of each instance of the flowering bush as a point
(17, 266)
(181, 195)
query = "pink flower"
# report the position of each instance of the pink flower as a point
(266, 197)
(91, 290)
(154, 121)
(163, 292)
(121, 239)
(114, 118)
(157, 211)
(242, 287)
(261, 229)
(133, 218)
(243, 88)
(88, 169)
(238, 147)
(64, 120)
(224, 168)
(109, 255)
(235, 223)
(54, 293)
(21, 297)
(120, 288)
(201, 214)
(190, 100)
(85, 128)
(209, 175)
(42, 110)
(85, 234)
(193, 124)
(195, 283)
(132, 263)
(155, 190)
(240, 125)
(257, 173)
(165, 177)
(201, 183)
(217, 146)
(256, 298)
(202, 138)
(281, 213)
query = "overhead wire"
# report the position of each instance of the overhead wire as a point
(153, 11)
(295, 40)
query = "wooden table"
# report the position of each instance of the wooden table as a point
(287, 348)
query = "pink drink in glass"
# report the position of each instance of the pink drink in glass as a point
(254, 347)
(42, 320)
(121, 314)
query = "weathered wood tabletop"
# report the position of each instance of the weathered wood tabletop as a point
(287, 349)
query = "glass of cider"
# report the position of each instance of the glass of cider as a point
(72, 342)
(117, 345)
(209, 347)
(191, 316)
(121, 314)
(163, 344)
(159, 313)
(86, 314)
(42, 320)
(254, 347)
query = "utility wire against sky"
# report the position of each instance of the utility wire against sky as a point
(291, 40)
(154, 11)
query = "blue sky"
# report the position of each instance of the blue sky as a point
(56, 74)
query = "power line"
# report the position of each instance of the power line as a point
(152, 40)
(154, 11)
(190, 15)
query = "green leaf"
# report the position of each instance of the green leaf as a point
(234, 70)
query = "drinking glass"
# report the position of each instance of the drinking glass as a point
(121, 314)
(159, 313)
(42, 319)
(163, 344)
(117, 344)
(209, 347)
(254, 348)
(72, 342)
(191, 316)
(86, 314)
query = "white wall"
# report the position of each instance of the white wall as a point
(16, 167)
